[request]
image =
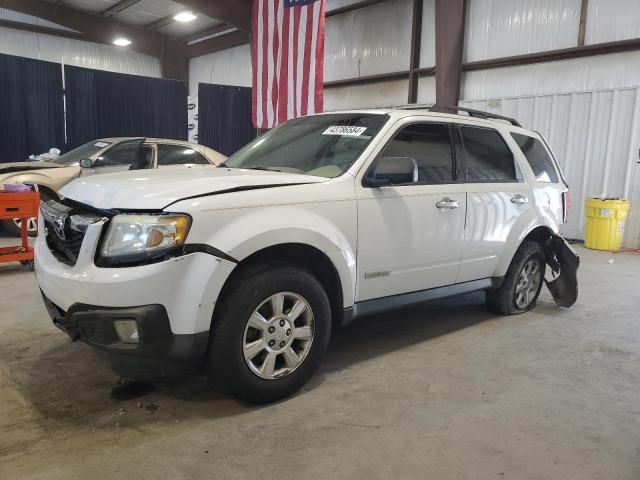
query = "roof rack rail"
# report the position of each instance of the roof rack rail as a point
(474, 113)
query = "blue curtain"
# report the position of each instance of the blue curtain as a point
(31, 107)
(105, 104)
(224, 117)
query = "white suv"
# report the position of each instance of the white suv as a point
(321, 220)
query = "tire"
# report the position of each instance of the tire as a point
(13, 228)
(242, 352)
(515, 296)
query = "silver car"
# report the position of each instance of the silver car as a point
(104, 155)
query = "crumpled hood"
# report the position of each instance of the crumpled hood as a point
(26, 166)
(155, 189)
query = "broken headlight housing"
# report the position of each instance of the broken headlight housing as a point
(137, 238)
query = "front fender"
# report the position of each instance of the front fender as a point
(243, 232)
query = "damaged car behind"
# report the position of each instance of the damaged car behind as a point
(105, 155)
(249, 266)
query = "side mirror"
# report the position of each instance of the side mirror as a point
(393, 170)
(86, 163)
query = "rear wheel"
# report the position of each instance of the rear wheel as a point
(270, 333)
(522, 284)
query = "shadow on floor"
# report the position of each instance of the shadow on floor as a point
(68, 383)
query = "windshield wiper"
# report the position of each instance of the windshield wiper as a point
(263, 169)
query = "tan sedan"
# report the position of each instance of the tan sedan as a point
(105, 155)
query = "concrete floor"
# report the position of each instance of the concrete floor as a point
(443, 391)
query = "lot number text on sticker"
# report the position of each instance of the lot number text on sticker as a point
(345, 131)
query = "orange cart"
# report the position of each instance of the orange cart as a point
(22, 205)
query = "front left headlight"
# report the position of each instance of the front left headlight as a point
(140, 237)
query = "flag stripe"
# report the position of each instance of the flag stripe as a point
(287, 51)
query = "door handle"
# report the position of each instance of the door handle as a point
(447, 203)
(519, 199)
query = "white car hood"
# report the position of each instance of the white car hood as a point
(156, 189)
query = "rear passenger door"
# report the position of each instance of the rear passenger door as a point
(499, 201)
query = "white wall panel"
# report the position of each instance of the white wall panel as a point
(382, 94)
(501, 28)
(426, 90)
(428, 37)
(29, 19)
(77, 52)
(226, 67)
(367, 41)
(595, 138)
(333, 4)
(567, 76)
(611, 20)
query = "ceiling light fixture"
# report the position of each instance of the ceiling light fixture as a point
(185, 17)
(122, 41)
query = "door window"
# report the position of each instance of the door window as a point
(179, 155)
(539, 159)
(429, 146)
(122, 154)
(487, 156)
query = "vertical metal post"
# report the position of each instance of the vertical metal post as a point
(416, 40)
(450, 26)
(583, 22)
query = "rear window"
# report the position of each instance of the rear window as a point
(539, 159)
(487, 156)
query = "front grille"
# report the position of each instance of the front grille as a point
(65, 228)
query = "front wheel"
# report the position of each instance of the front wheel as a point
(270, 333)
(521, 286)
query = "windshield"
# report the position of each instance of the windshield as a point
(87, 150)
(320, 145)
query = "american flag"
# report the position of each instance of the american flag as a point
(287, 55)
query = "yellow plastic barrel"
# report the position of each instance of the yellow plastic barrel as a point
(605, 223)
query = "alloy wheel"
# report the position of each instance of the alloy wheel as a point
(278, 335)
(528, 284)
(32, 224)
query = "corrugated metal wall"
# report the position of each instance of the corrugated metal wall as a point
(595, 136)
(368, 41)
(502, 28)
(76, 52)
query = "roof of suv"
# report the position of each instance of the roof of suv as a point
(441, 112)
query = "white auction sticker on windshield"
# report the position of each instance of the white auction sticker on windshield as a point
(100, 144)
(345, 130)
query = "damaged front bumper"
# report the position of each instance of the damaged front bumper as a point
(564, 262)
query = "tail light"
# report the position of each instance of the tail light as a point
(566, 205)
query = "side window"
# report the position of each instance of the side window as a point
(199, 159)
(125, 153)
(487, 156)
(429, 146)
(178, 155)
(538, 157)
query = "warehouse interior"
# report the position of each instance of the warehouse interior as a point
(443, 389)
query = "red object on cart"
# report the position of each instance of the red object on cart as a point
(22, 205)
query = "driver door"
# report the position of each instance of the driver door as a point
(123, 156)
(410, 234)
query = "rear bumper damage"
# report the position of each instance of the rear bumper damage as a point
(564, 262)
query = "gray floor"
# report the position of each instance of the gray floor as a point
(443, 391)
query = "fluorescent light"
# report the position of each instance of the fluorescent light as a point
(184, 17)
(122, 42)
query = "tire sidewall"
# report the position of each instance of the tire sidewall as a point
(226, 354)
